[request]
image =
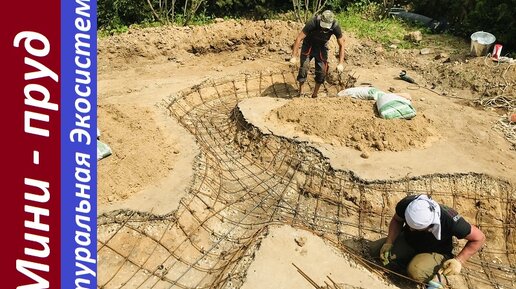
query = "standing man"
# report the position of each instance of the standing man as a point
(315, 36)
(420, 240)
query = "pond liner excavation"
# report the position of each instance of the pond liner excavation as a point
(247, 180)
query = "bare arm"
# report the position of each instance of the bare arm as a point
(297, 44)
(340, 41)
(394, 228)
(475, 241)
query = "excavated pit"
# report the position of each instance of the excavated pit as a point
(248, 181)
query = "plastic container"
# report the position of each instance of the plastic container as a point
(497, 50)
(481, 43)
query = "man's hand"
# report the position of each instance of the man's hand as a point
(294, 61)
(451, 267)
(340, 67)
(385, 253)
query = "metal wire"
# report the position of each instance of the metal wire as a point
(246, 180)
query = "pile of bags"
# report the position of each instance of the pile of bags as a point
(390, 105)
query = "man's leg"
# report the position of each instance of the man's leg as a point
(316, 89)
(303, 71)
(321, 69)
(424, 266)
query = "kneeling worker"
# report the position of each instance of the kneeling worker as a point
(424, 244)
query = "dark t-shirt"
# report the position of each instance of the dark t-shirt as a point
(315, 35)
(452, 224)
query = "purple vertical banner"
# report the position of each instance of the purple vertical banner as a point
(30, 126)
(79, 144)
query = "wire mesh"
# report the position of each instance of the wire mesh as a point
(246, 180)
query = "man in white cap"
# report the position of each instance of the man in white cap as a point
(315, 36)
(423, 246)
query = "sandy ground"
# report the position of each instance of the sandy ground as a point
(152, 165)
(303, 249)
(349, 133)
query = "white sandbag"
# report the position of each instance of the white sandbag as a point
(361, 92)
(391, 106)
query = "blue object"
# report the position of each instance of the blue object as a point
(434, 285)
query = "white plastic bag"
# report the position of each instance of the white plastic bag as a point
(361, 92)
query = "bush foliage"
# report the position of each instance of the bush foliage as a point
(464, 16)
(114, 14)
(468, 16)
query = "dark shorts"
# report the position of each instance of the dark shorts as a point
(308, 52)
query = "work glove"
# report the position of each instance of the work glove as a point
(294, 61)
(385, 253)
(340, 67)
(451, 267)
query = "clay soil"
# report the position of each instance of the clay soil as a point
(152, 164)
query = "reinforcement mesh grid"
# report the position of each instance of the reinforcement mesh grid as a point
(246, 180)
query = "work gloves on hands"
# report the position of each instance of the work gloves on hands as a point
(385, 253)
(340, 67)
(451, 267)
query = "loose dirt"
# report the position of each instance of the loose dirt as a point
(354, 123)
(155, 158)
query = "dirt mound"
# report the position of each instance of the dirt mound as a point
(134, 164)
(181, 44)
(441, 66)
(451, 67)
(355, 123)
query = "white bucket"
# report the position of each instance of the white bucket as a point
(481, 43)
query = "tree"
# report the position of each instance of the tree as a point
(304, 9)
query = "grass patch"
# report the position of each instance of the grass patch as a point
(363, 19)
(382, 31)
